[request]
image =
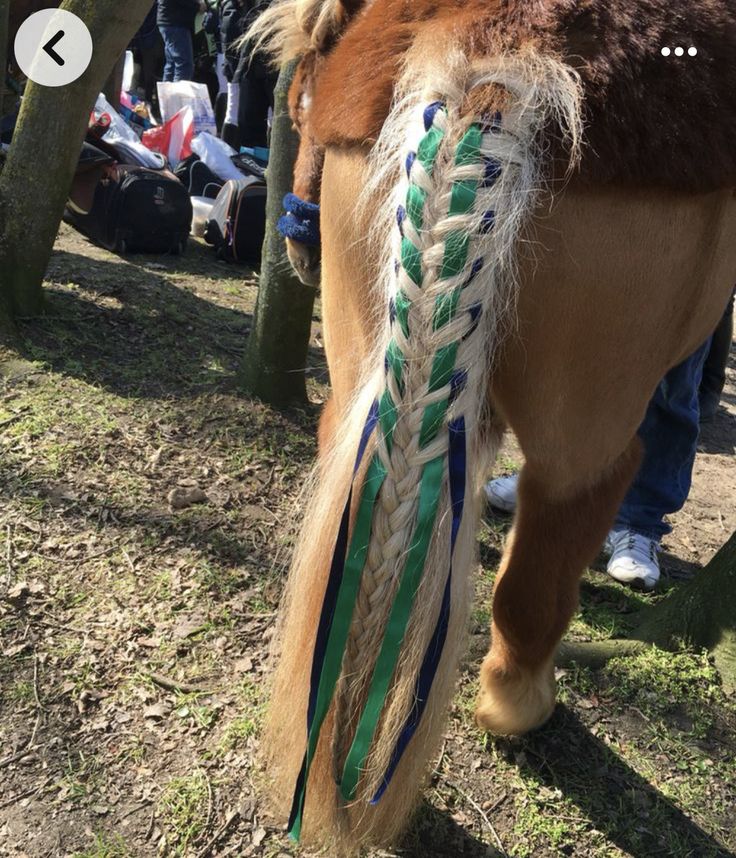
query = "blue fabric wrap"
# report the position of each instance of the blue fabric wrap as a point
(328, 603)
(301, 221)
(456, 462)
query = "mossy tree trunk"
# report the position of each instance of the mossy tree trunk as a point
(38, 171)
(276, 353)
(4, 32)
(700, 614)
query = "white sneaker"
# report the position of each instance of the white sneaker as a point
(501, 493)
(633, 559)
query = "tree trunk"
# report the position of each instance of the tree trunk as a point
(701, 613)
(276, 352)
(4, 34)
(38, 171)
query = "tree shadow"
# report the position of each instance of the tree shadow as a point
(718, 436)
(143, 334)
(435, 833)
(629, 811)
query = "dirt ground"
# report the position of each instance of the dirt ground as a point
(146, 519)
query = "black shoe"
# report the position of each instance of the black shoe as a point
(231, 135)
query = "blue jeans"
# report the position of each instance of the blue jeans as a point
(179, 53)
(670, 435)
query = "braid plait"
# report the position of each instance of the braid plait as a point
(447, 217)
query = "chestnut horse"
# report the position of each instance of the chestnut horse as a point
(527, 217)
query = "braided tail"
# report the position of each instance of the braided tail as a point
(395, 608)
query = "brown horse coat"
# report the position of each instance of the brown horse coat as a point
(650, 119)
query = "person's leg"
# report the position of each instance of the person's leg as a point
(714, 369)
(169, 53)
(670, 435)
(255, 100)
(184, 54)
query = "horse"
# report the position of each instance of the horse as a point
(527, 218)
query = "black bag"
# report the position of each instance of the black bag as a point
(197, 178)
(249, 166)
(136, 209)
(237, 222)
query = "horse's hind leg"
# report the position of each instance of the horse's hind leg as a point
(598, 329)
(536, 591)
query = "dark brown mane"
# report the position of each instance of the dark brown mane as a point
(650, 119)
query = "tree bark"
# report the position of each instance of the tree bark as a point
(4, 34)
(276, 353)
(38, 171)
(700, 614)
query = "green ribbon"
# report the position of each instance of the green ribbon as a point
(342, 619)
(455, 256)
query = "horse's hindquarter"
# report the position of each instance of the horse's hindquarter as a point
(617, 286)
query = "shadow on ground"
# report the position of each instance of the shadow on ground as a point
(643, 823)
(141, 332)
(435, 833)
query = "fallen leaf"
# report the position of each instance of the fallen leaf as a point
(189, 627)
(259, 835)
(155, 712)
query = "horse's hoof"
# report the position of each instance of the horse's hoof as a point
(512, 703)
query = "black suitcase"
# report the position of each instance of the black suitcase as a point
(135, 209)
(237, 222)
(197, 178)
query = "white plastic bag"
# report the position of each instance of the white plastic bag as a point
(201, 208)
(120, 135)
(118, 128)
(216, 154)
(128, 72)
(185, 93)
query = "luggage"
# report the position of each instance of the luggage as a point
(197, 178)
(135, 209)
(237, 222)
(249, 165)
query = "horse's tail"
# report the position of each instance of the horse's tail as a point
(388, 611)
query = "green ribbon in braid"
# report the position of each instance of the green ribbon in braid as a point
(455, 255)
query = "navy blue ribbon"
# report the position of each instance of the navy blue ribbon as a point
(456, 462)
(301, 221)
(329, 602)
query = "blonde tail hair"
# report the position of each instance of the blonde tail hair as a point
(288, 29)
(471, 138)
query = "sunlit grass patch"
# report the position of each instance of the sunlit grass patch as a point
(657, 681)
(183, 807)
(106, 846)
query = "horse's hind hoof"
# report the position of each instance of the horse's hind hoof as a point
(513, 702)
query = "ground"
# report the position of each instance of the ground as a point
(146, 519)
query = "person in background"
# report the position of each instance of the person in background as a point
(670, 435)
(251, 81)
(175, 19)
(714, 370)
(148, 48)
(232, 17)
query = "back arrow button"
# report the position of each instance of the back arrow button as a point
(49, 48)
